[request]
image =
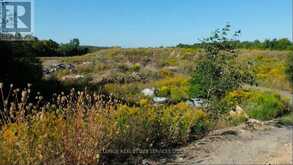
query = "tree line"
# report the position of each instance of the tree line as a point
(274, 44)
(44, 47)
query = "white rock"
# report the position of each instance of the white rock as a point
(148, 92)
(254, 124)
(239, 109)
(72, 77)
(86, 63)
(195, 102)
(160, 100)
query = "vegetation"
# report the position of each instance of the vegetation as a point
(274, 44)
(81, 128)
(289, 69)
(217, 72)
(100, 111)
(287, 119)
(47, 48)
(258, 105)
(18, 63)
(269, 68)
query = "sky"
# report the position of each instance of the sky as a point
(154, 23)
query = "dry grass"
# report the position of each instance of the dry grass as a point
(80, 127)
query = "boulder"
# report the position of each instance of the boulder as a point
(254, 124)
(73, 77)
(150, 92)
(238, 112)
(195, 102)
(160, 100)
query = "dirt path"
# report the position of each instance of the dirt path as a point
(269, 145)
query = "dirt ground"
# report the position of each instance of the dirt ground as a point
(268, 145)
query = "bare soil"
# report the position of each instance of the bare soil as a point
(270, 144)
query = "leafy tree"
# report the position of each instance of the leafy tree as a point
(218, 71)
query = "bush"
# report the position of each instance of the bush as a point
(218, 71)
(257, 104)
(180, 122)
(158, 127)
(174, 87)
(265, 106)
(287, 119)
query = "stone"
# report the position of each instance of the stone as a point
(195, 102)
(150, 92)
(254, 124)
(73, 77)
(160, 100)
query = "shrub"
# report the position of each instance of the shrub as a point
(83, 128)
(179, 122)
(257, 104)
(269, 68)
(69, 130)
(217, 71)
(179, 93)
(174, 87)
(287, 119)
(136, 67)
(130, 91)
(165, 73)
(164, 91)
(264, 106)
(158, 127)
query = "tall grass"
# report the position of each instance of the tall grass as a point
(82, 127)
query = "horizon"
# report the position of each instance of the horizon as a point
(131, 24)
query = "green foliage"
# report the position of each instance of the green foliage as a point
(274, 44)
(257, 104)
(264, 107)
(289, 69)
(159, 127)
(217, 72)
(71, 48)
(287, 119)
(175, 87)
(136, 67)
(269, 68)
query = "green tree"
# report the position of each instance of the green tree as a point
(218, 72)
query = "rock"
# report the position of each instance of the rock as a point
(55, 67)
(160, 100)
(70, 66)
(195, 102)
(254, 124)
(180, 159)
(135, 76)
(232, 113)
(150, 92)
(148, 162)
(46, 71)
(59, 66)
(87, 63)
(239, 110)
(72, 77)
